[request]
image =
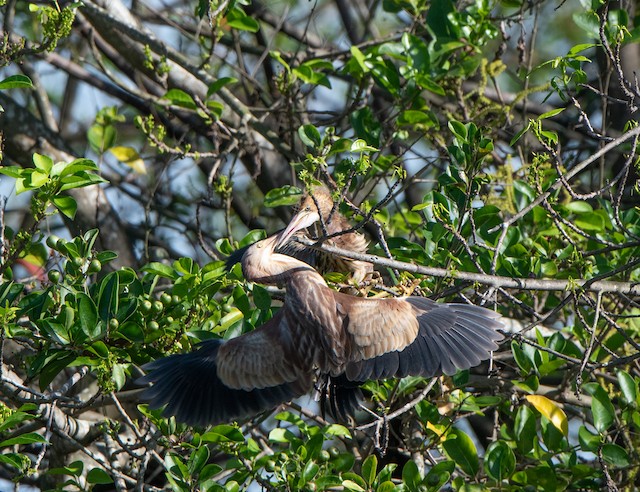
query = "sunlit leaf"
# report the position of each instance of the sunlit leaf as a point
(16, 82)
(551, 411)
(286, 195)
(130, 157)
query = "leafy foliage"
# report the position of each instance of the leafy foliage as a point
(450, 135)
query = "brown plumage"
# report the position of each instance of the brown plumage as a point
(316, 209)
(317, 206)
(317, 330)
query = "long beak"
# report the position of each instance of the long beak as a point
(301, 220)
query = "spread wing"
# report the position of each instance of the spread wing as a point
(376, 326)
(225, 380)
(265, 357)
(450, 337)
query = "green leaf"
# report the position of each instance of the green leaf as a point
(518, 135)
(237, 19)
(219, 84)
(180, 98)
(351, 485)
(309, 471)
(499, 461)
(261, 297)
(361, 145)
(460, 448)
(551, 114)
(590, 222)
(101, 137)
(370, 469)
(520, 356)
(276, 55)
(310, 136)
(16, 82)
(161, 270)
(280, 434)
(73, 469)
(88, 316)
(615, 455)
(19, 461)
(80, 180)
(99, 476)
(458, 129)
(131, 331)
(337, 430)
(223, 433)
(56, 362)
(252, 237)
(42, 162)
(525, 429)
(12, 171)
(359, 57)
(366, 126)
(588, 441)
(628, 386)
(66, 204)
(66, 168)
(15, 419)
(198, 459)
(38, 179)
(286, 195)
(108, 296)
(439, 475)
(411, 475)
(307, 74)
(29, 438)
(427, 83)
(418, 119)
(579, 207)
(601, 407)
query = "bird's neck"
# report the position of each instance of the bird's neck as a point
(278, 269)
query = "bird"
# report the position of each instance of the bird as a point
(318, 332)
(317, 205)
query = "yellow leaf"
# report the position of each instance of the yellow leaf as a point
(130, 157)
(438, 430)
(551, 410)
(34, 260)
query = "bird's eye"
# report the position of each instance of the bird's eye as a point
(308, 208)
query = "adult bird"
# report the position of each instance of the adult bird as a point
(317, 206)
(317, 331)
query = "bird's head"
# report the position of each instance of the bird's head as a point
(315, 204)
(305, 217)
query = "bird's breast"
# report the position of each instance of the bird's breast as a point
(320, 321)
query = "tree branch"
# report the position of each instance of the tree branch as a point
(587, 285)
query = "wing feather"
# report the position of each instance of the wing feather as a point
(224, 380)
(450, 337)
(188, 387)
(376, 326)
(262, 358)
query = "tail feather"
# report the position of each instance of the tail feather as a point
(340, 397)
